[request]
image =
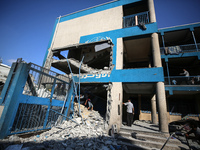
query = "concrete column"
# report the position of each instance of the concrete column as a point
(136, 20)
(156, 50)
(119, 57)
(151, 11)
(160, 87)
(162, 107)
(153, 110)
(114, 105)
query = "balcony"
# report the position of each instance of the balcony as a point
(182, 80)
(175, 50)
(136, 19)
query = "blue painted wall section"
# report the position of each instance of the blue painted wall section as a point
(126, 75)
(181, 88)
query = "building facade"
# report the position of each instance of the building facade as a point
(116, 52)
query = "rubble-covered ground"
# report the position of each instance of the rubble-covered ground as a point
(87, 133)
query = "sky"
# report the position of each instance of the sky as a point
(26, 25)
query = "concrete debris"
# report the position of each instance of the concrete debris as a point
(43, 92)
(85, 68)
(90, 134)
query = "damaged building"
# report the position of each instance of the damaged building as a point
(113, 52)
(118, 50)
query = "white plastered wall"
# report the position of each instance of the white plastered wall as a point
(69, 32)
(119, 57)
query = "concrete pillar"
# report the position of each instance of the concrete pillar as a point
(156, 50)
(136, 20)
(114, 105)
(162, 107)
(153, 110)
(160, 87)
(119, 57)
(151, 11)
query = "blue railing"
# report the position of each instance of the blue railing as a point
(34, 100)
(136, 19)
(182, 80)
(174, 50)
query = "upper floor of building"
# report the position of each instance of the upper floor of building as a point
(111, 16)
(126, 27)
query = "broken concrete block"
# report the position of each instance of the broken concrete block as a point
(15, 139)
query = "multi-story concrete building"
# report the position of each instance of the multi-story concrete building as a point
(119, 46)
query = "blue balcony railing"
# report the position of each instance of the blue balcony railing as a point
(136, 19)
(174, 50)
(182, 80)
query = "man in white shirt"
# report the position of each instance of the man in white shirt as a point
(187, 75)
(130, 112)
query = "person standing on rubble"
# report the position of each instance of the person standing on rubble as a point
(130, 112)
(89, 103)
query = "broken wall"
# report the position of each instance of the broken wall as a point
(114, 104)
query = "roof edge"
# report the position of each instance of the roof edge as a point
(89, 8)
(179, 27)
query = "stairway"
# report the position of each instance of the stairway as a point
(148, 139)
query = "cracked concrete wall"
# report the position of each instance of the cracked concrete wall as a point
(114, 104)
(69, 32)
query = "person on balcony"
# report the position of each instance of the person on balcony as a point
(187, 75)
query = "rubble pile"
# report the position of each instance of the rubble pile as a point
(86, 132)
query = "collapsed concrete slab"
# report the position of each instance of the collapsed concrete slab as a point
(94, 56)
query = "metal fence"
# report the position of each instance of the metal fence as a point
(41, 82)
(37, 99)
(173, 50)
(32, 117)
(182, 80)
(133, 20)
